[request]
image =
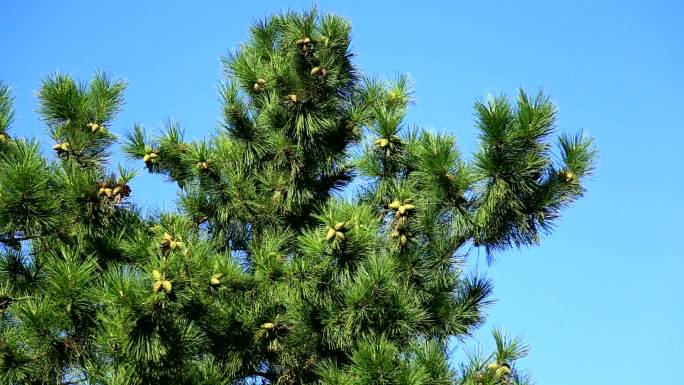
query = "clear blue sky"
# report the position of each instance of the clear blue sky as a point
(601, 300)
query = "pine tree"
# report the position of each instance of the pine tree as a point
(318, 239)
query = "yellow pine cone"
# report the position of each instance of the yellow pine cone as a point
(203, 165)
(3, 138)
(101, 191)
(318, 71)
(493, 366)
(257, 87)
(395, 234)
(303, 41)
(146, 158)
(167, 236)
(166, 286)
(293, 98)
(569, 176)
(156, 274)
(339, 226)
(116, 190)
(395, 204)
(502, 371)
(61, 146)
(261, 81)
(330, 235)
(216, 279)
(156, 286)
(382, 142)
(108, 192)
(401, 210)
(340, 236)
(268, 326)
(409, 207)
(94, 127)
(403, 239)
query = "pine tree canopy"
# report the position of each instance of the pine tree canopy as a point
(318, 239)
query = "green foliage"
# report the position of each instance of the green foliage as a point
(6, 111)
(265, 273)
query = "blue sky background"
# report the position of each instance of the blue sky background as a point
(600, 301)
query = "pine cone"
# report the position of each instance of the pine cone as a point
(382, 142)
(395, 204)
(502, 371)
(409, 207)
(150, 157)
(203, 165)
(568, 176)
(268, 326)
(317, 71)
(165, 244)
(216, 279)
(166, 286)
(94, 127)
(61, 147)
